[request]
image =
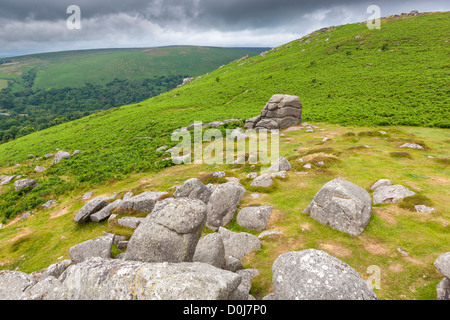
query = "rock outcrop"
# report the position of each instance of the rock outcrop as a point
(391, 194)
(343, 206)
(315, 275)
(93, 206)
(222, 204)
(100, 279)
(143, 202)
(193, 189)
(60, 155)
(442, 263)
(254, 218)
(280, 112)
(170, 233)
(24, 183)
(210, 249)
(99, 247)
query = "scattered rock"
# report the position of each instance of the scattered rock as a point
(280, 112)
(381, 183)
(13, 283)
(48, 204)
(24, 183)
(113, 279)
(263, 180)
(6, 180)
(254, 218)
(60, 155)
(76, 152)
(143, 202)
(282, 164)
(279, 174)
(252, 175)
(269, 233)
(237, 245)
(105, 212)
(210, 249)
(238, 134)
(423, 209)
(411, 146)
(443, 289)
(40, 169)
(87, 196)
(54, 270)
(442, 263)
(193, 189)
(218, 174)
(343, 206)
(222, 204)
(49, 155)
(307, 166)
(391, 194)
(130, 222)
(170, 233)
(90, 208)
(99, 247)
(315, 275)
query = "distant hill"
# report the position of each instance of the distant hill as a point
(75, 68)
(43, 90)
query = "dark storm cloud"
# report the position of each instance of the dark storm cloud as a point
(35, 26)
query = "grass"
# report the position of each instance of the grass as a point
(39, 240)
(403, 93)
(75, 68)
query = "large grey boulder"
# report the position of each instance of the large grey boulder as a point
(381, 183)
(24, 183)
(55, 270)
(6, 180)
(90, 208)
(391, 194)
(315, 275)
(222, 204)
(264, 180)
(237, 245)
(280, 112)
(210, 249)
(13, 283)
(130, 222)
(143, 202)
(443, 289)
(100, 279)
(193, 189)
(282, 164)
(99, 247)
(41, 290)
(343, 206)
(170, 233)
(255, 217)
(104, 213)
(60, 155)
(442, 263)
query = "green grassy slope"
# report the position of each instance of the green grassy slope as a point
(407, 84)
(74, 68)
(341, 92)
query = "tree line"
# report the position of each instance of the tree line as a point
(33, 110)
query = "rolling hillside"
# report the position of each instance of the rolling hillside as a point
(353, 83)
(75, 68)
(44, 90)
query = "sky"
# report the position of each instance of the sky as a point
(30, 26)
